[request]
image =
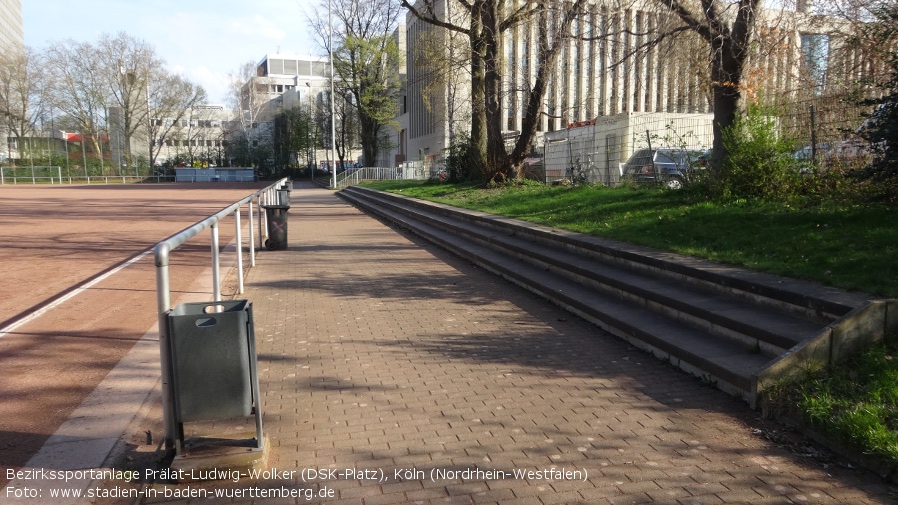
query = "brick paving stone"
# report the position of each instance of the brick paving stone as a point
(380, 351)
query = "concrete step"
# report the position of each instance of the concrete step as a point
(768, 330)
(719, 323)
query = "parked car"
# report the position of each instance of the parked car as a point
(671, 167)
(846, 153)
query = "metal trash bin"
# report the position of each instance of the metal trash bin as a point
(277, 226)
(213, 360)
(283, 195)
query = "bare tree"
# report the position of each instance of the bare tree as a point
(349, 130)
(441, 66)
(170, 99)
(79, 88)
(249, 97)
(23, 93)
(487, 22)
(727, 28)
(126, 64)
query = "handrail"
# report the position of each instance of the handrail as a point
(163, 286)
(352, 176)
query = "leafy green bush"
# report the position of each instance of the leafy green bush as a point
(456, 159)
(760, 163)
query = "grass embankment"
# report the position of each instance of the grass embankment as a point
(853, 247)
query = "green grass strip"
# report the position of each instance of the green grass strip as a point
(853, 247)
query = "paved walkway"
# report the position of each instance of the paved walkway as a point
(393, 372)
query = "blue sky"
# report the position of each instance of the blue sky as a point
(203, 40)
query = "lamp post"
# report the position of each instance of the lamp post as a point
(311, 137)
(330, 51)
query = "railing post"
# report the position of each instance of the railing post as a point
(239, 240)
(261, 220)
(216, 272)
(264, 213)
(252, 235)
(163, 302)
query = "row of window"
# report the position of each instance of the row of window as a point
(193, 143)
(196, 123)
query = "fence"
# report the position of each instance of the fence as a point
(824, 130)
(354, 176)
(827, 131)
(594, 150)
(163, 251)
(215, 174)
(60, 175)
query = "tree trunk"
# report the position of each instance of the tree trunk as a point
(477, 156)
(497, 157)
(729, 48)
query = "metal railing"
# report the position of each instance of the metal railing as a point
(58, 175)
(266, 196)
(354, 176)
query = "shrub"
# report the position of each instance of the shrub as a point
(760, 164)
(456, 159)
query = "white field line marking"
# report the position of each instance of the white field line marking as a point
(43, 310)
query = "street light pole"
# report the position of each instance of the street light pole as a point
(330, 48)
(311, 137)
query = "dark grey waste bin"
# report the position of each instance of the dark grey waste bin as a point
(277, 226)
(213, 358)
(283, 196)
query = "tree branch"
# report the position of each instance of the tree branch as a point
(432, 19)
(650, 43)
(703, 30)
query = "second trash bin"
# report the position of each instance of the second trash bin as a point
(277, 226)
(213, 360)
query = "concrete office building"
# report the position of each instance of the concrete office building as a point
(12, 37)
(12, 34)
(284, 81)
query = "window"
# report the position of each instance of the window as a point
(815, 58)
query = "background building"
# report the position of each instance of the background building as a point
(286, 81)
(796, 56)
(12, 37)
(12, 34)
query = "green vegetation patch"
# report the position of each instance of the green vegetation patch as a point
(855, 403)
(850, 246)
